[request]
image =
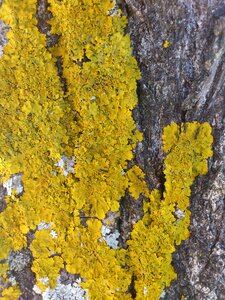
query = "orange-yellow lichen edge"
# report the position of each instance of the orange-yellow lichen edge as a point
(166, 219)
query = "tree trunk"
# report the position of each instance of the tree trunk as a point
(180, 49)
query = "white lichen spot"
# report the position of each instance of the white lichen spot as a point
(110, 237)
(205, 289)
(44, 280)
(140, 146)
(54, 234)
(66, 164)
(179, 214)
(14, 183)
(145, 291)
(12, 280)
(36, 289)
(18, 260)
(69, 292)
(44, 226)
(163, 294)
(1, 51)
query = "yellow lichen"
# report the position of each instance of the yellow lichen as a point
(11, 293)
(166, 44)
(96, 262)
(101, 79)
(92, 121)
(137, 184)
(153, 238)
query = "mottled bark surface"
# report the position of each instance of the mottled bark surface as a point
(183, 83)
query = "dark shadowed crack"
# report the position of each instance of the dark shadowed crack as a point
(3, 40)
(131, 211)
(68, 278)
(131, 289)
(43, 15)
(2, 198)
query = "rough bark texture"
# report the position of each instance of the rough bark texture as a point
(183, 83)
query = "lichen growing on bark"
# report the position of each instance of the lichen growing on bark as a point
(90, 121)
(154, 238)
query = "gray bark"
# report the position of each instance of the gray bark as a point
(185, 83)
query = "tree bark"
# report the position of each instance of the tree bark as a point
(184, 82)
(180, 49)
